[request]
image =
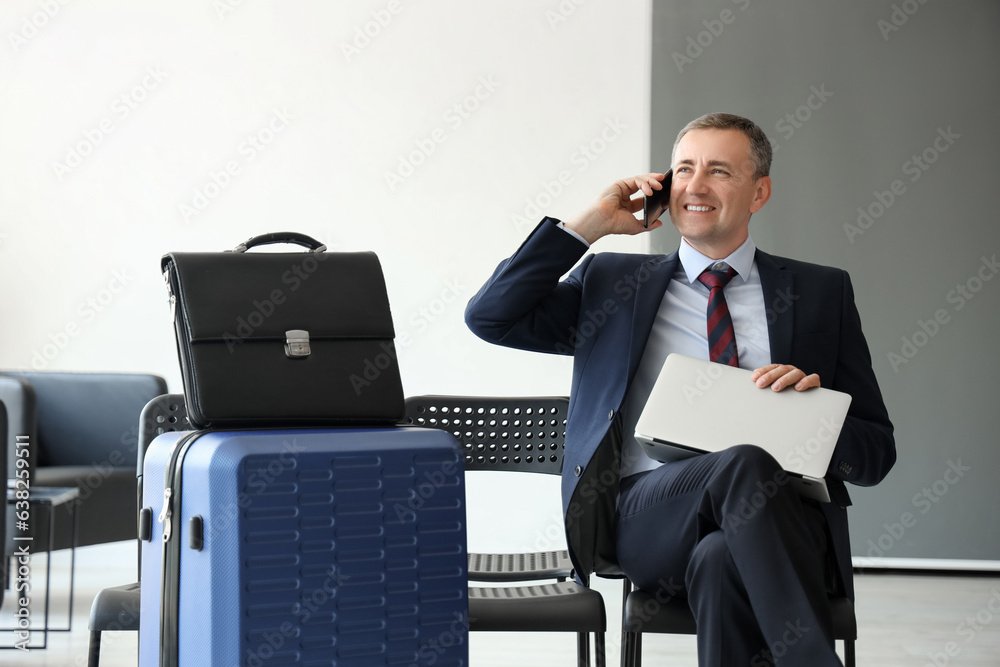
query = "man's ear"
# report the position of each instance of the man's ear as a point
(761, 194)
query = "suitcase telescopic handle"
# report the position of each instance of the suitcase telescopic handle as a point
(281, 237)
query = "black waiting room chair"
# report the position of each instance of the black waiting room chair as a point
(117, 609)
(645, 612)
(517, 435)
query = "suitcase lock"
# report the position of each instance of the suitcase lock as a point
(297, 344)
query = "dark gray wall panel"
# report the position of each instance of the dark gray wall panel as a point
(916, 106)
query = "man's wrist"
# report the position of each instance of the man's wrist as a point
(584, 227)
(571, 232)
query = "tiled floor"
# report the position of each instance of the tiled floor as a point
(905, 620)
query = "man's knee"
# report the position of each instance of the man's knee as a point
(752, 455)
(753, 463)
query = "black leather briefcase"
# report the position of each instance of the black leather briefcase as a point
(284, 339)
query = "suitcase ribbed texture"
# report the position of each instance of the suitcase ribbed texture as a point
(339, 547)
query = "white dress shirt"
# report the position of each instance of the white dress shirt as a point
(682, 326)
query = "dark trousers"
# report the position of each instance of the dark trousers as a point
(727, 531)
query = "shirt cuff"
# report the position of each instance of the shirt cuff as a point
(562, 226)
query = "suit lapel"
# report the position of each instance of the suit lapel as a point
(648, 295)
(778, 285)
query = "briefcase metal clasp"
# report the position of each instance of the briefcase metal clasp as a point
(297, 344)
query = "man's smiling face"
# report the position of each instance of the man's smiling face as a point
(714, 192)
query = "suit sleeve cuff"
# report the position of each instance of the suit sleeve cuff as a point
(562, 225)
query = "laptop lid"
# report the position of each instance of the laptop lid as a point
(698, 406)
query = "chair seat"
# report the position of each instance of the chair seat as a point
(116, 609)
(559, 607)
(520, 566)
(644, 613)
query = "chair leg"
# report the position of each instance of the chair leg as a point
(849, 658)
(637, 649)
(583, 649)
(626, 589)
(599, 658)
(94, 653)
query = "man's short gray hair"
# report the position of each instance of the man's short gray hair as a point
(760, 147)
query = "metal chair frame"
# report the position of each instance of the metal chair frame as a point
(643, 612)
(518, 435)
(117, 609)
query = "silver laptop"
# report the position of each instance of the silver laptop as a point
(697, 406)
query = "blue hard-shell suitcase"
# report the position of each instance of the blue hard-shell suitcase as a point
(305, 547)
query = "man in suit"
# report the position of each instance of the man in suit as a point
(755, 560)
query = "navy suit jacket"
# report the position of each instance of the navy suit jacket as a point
(602, 314)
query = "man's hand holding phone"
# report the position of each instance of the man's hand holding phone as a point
(615, 209)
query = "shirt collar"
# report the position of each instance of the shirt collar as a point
(695, 263)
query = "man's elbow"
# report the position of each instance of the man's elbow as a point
(479, 324)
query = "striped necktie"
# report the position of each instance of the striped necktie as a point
(721, 335)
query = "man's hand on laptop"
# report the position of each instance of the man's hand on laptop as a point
(782, 376)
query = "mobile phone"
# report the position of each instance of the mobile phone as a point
(655, 204)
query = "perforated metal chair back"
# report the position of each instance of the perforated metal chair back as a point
(161, 415)
(524, 434)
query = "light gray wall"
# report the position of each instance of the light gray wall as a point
(899, 81)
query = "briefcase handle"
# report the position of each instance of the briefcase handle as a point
(281, 237)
